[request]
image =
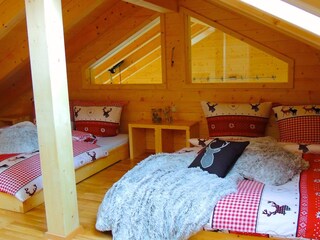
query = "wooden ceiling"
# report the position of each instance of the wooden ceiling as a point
(277, 23)
(86, 20)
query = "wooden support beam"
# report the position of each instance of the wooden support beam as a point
(49, 78)
(162, 6)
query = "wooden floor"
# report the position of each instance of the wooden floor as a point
(32, 225)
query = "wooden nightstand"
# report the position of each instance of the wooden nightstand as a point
(166, 137)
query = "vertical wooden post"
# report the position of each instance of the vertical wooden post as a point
(49, 78)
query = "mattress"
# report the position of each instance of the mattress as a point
(112, 142)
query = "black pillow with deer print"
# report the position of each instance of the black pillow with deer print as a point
(219, 156)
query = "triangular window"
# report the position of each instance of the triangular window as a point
(137, 60)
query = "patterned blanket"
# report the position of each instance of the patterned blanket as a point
(289, 211)
(161, 198)
(20, 174)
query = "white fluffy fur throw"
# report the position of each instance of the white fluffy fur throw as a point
(19, 138)
(161, 198)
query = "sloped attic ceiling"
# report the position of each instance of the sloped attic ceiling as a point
(80, 19)
(311, 6)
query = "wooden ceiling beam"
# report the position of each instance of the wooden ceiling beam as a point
(74, 11)
(11, 13)
(162, 6)
(14, 41)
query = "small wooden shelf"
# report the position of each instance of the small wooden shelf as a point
(164, 136)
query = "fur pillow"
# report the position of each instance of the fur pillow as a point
(264, 160)
(19, 138)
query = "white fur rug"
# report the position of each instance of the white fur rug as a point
(161, 198)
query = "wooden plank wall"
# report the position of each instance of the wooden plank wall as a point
(85, 43)
(187, 101)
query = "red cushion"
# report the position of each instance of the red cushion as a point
(299, 124)
(99, 118)
(248, 126)
(97, 128)
(236, 119)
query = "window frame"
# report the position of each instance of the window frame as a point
(86, 73)
(250, 85)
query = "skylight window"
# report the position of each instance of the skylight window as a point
(289, 13)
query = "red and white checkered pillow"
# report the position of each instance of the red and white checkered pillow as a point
(99, 118)
(299, 124)
(239, 119)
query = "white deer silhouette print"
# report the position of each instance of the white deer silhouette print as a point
(208, 157)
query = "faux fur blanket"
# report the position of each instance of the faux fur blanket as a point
(161, 198)
(19, 138)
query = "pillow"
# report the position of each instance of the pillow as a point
(80, 136)
(99, 118)
(246, 120)
(299, 124)
(264, 160)
(300, 148)
(202, 142)
(19, 138)
(219, 156)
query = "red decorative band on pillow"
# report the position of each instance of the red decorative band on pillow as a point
(302, 129)
(246, 126)
(97, 128)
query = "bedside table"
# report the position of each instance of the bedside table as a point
(167, 137)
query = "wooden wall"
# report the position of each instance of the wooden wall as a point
(95, 35)
(306, 88)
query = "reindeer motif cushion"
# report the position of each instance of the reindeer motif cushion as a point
(298, 124)
(244, 120)
(102, 121)
(219, 156)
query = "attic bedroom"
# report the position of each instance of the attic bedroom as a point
(161, 70)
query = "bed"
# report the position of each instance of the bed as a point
(96, 140)
(248, 185)
(23, 190)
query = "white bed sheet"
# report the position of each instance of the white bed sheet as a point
(112, 142)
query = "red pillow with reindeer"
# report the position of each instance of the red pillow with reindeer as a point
(299, 123)
(236, 119)
(100, 119)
